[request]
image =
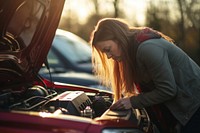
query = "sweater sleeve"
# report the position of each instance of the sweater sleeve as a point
(155, 60)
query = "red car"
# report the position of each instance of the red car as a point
(32, 104)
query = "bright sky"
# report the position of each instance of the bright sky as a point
(134, 9)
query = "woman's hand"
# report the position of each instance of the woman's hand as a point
(122, 104)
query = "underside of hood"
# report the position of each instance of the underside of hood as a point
(27, 28)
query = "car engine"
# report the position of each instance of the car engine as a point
(78, 103)
(37, 98)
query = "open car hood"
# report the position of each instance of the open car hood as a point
(27, 28)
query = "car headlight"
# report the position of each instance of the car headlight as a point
(121, 130)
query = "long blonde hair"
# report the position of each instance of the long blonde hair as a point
(120, 76)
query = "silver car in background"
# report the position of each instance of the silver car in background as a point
(69, 61)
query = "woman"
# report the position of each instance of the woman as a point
(125, 57)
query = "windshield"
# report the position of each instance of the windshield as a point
(76, 49)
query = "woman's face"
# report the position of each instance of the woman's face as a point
(110, 48)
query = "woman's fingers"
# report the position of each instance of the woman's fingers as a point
(115, 106)
(121, 104)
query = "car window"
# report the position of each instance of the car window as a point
(55, 64)
(53, 59)
(74, 49)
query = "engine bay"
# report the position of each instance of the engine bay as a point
(79, 103)
(37, 98)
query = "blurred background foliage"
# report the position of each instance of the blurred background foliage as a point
(179, 19)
